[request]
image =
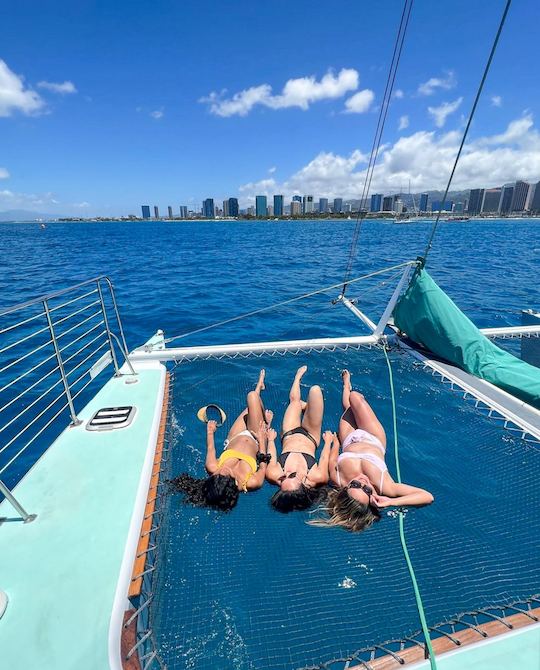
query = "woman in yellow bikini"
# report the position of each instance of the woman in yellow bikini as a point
(241, 466)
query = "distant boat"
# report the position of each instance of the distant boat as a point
(42, 226)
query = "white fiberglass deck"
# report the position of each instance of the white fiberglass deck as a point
(62, 571)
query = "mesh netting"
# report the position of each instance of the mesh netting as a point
(255, 589)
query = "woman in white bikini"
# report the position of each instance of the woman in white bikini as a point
(364, 485)
(296, 470)
(241, 466)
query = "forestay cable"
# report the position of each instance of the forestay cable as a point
(469, 121)
(362, 212)
(287, 302)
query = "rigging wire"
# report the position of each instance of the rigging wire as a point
(362, 212)
(412, 574)
(469, 121)
(287, 302)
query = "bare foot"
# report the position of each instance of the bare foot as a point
(346, 376)
(304, 405)
(260, 384)
(268, 415)
(301, 372)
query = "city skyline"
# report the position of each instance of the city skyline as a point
(519, 196)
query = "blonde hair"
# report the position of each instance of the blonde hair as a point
(346, 512)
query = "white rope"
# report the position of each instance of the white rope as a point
(287, 302)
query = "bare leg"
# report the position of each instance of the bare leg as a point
(365, 417)
(347, 423)
(347, 388)
(313, 416)
(293, 413)
(254, 413)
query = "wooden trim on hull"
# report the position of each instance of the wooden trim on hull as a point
(144, 539)
(442, 644)
(128, 640)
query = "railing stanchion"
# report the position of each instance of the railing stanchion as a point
(109, 337)
(74, 418)
(27, 518)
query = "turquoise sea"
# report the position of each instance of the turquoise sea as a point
(255, 590)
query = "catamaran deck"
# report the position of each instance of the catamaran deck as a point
(67, 573)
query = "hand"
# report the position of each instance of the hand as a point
(211, 427)
(271, 433)
(381, 501)
(328, 436)
(261, 433)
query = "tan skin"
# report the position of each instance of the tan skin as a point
(358, 414)
(309, 415)
(255, 421)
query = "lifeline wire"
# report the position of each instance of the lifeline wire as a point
(471, 115)
(398, 46)
(417, 595)
(286, 302)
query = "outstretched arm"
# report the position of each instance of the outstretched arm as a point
(273, 469)
(211, 463)
(401, 494)
(332, 460)
(320, 476)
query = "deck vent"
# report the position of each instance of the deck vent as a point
(111, 418)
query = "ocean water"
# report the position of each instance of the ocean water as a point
(255, 590)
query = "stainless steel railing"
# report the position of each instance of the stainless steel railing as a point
(51, 350)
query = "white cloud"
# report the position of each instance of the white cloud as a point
(4, 174)
(431, 85)
(14, 97)
(157, 114)
(12, 200)
(81, 205)
(441, 113)
(359, 102)
(496, 100)
(299, 92)
(63, 88)
(425, 158)
(398, 93)
(272, 169)
(403, 122)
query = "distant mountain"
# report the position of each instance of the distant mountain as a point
(25, 215)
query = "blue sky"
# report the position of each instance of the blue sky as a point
(108, 105)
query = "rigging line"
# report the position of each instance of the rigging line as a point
(417, 596)
(287, 302)
(471, 115)
(396, 56)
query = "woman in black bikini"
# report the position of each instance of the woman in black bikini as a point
(296, 471)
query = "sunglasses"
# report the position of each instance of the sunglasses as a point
(358, 485)
(292, 475)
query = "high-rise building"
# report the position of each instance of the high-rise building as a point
(505, 203)
(439, 206)
(475, 201)
(323, 205)
(156, 212)
(399, 207)
(233, 207)
(297, 198)
(270, 210)
(278, 205)
(208, 209)
(459, 207)
(250, 211)
(260, 205)
(169, 210)
(296, 208)
(183, 212)
(388, 203)
(490, 202)
(225, 208)
(424, 198)
(535, 201)
(145, 211)
(307, 204)
(521, 192)
(338, 205)
(376, 202)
